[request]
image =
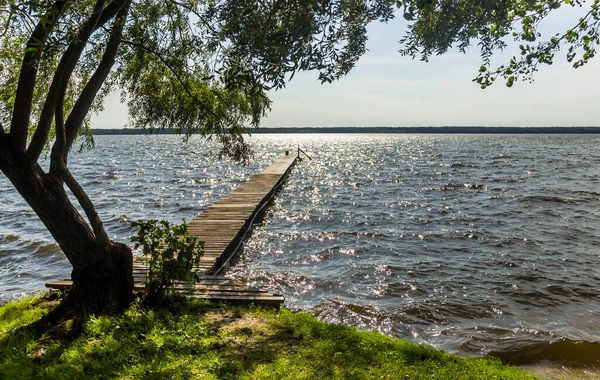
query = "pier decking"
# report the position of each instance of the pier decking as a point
(224, 224)
(222, 227)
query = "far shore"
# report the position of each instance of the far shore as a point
(402, 130)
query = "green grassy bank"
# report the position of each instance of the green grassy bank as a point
(193, 340)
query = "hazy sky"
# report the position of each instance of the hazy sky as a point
(385, 89)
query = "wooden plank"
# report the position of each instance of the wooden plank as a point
(225, 285)
(246, 298)
(222, 282)
(235, 206)
(214, 291)
(274, 299)
(214, 287)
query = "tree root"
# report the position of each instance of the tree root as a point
(103, 287)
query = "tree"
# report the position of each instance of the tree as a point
(438, 25)
(195, 66)
(201, 67)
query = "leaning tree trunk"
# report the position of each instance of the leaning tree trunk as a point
(102, 278)
(102, 270)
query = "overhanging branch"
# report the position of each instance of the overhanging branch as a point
(55, 101)
(173, 71)
(195, 13)
(57, 156)
(9, 19)
(58, 165)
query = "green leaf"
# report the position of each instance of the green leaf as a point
(510, 81)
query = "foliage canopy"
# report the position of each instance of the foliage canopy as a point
(190, 65)
(437, 25)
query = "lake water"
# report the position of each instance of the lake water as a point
(476, 244)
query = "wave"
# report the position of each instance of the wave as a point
(112, 174)
(464, 165)
(9, 237)
(335, 310)
(555, 199)
(369, 234)
(444, 312)
(592, 193)
(457, 186)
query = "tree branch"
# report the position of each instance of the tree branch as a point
(195, 13)
(87, 96)
(99, 17)
(28, 22)
(28, 75)
(88, 207)
(8, 22)
(6, 163)
(58, 163)
(173, 71)
(55, 101)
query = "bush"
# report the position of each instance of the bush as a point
(171, 252)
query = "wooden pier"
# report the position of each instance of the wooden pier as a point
(224, 224)
(222, 227)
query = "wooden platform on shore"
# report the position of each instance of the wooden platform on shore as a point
(222, 227)
(210, 288)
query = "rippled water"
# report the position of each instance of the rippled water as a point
(474, 244)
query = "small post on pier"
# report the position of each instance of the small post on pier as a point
(301, 151)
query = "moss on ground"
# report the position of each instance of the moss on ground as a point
(193, 339)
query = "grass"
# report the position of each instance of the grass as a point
(197, 340)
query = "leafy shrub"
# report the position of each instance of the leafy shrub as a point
(171, 254)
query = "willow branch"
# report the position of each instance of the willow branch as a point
(173, 71)
(87, 96)
(6, 163)
(28, 75)
(195, 13)
(28, 21)
(58, 165)
(63, 73)
(8, 22)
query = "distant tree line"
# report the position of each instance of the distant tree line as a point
(413, 130)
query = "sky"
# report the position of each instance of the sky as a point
(385, 89)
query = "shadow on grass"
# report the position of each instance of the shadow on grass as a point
(196, 339)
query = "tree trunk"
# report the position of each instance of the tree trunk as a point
(102, 282)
